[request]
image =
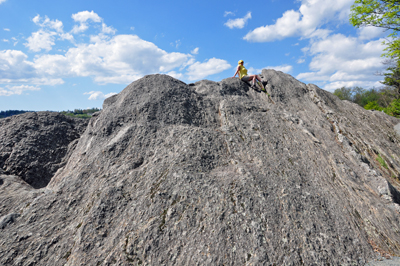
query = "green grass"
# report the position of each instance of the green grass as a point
(78, 115)
(381, 161)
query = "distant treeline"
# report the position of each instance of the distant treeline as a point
(80, 113)
(386, 99)
(4, 114)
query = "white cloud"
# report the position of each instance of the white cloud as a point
(98, 95)
(283, 68)
(44, 38)
(227, 13)
(360, 83)
(121, 59)
(14, 65)
(303, 22)
(201, 70)
(107, 30)
(369, 33)
(95, 95)
(33, 80)
(110, 94)
(345, 53)
(195, 50)
(5, 40)
(284, 27)
(116, 79)
(239, 22)
(79, 28)
(40, 40)
(83, 17)
(2, 1)
(66, 36)
(339, 59)
(6, 28)
(15, 68)
(118, 59)
(175, 74)
(12, 90)
(47, 23)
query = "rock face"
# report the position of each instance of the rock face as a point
(215, 173)
(33, 145)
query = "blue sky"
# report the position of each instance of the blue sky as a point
(65, 55)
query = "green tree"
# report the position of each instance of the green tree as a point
(371, 95)
(358, 95)
(393, 109)
(387, 95)
(379, 13)
(383, 14)
(392, 77)
(343, 93)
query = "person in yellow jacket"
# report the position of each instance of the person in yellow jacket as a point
(242, 71)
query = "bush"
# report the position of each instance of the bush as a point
(394, 108)
(373, 106)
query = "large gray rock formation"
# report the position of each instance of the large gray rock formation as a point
(33, 145)
(214, 173)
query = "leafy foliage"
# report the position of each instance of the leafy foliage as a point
(377, 13)
(385, 99)
(392, 77)
(387, 95)
(373, 106)
(343, 93)
(383, 14)
(358, 95)
(366, 96)
(393, 109)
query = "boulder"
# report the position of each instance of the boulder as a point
(215, 173)
(33, 145)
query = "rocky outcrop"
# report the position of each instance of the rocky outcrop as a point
(33, 145)
(215, 173)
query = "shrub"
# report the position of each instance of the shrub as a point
(373, 106)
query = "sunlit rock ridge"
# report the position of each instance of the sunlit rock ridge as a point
(210, 173)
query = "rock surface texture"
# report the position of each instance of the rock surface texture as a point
(214, 173)
(33, 145)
